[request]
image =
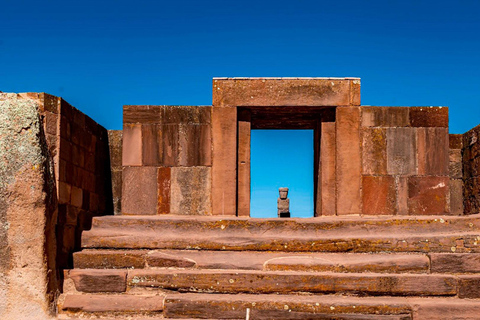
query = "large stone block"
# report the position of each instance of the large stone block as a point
(191, 191)
(378, 195)
(455, 166)
(170, 145)
(432, 150)
(428, 195)
(141, 114)
(374, 156)
(195, 145)
(152, 146)
(224, 161)
(164, 189)
(185, 115)
(328, 168)
(401, 151)
(456, 196)
(139, 190)
(429, 117)
(455, 141)
(286, 92)
(132, 145)
(349, 161)
(385, 117)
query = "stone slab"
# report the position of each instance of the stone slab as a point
(433, 151)
(139, 190)
(401, 151)
(374, 151)
(328, 168)
(385, 117)
(348, 161)
(379, 196)
(428, 195)
(455, 263)
(429, 117)
(132, 145)
(191, 191)
(97, 280)
(113, 303)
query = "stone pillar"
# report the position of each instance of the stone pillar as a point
(243, 163)
(28, 213)
(328, 169)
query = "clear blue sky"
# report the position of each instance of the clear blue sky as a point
(100, 55)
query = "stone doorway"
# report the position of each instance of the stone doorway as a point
(281, 158)
(282, 118)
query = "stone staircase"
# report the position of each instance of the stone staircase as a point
(349, 267)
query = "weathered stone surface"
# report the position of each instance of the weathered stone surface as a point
(433, 151)
(132, 145)
(455, 263)
(191, 191)
(455, 141)
(349, 163)
(113, 303)
(90, 280)
(401, 151)
(445, 309)
(234, 92)
(374, 151)
(109, 259)
(225, 281)
(327, 169)
(385, 117)
(165, 260)
(243, 164)
(139, 190)
(164, 176)
(379, 195)
(455, 165)
(401, 186)
(195, 145)
(28, 213)
(456, 196)
(469, 286)
(141, 114)
(224, 160)
(351, 263)
(152, 153)
(429, 117)
(291, 307)
(428, 195)
(115, 142)
(170, 147)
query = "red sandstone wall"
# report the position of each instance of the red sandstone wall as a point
(471, 170)
(392, 160)
(166, 160)
(79, 148)
(456, 174)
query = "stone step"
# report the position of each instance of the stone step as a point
(294, 241)
(318, 307)
(273, 226)
(279, 282)
(112, 303)
(261, 260)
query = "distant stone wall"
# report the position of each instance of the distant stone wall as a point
(28, 211)
(167, 159)
(115, 141)
(471, 170)
(392, 160)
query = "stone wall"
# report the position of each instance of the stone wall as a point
(28, 211)
(404, 161)
(167, 159)
(456, 174)
(115, 140)
(471, 170)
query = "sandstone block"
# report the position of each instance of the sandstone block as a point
(170, 144)
(349, 164)
(385, 117)
(455, 166)
(456, 196)
(401, 185)
(432, 150)
(141, 114)
(455, 263)
(374, 157)
(90, 280)
(109, 259)
(469, 286)
(455, 141)
(139, 190)
(115, 138)
(110, 303)
(191, 191)
(401, 151)
(195, 145)
(164, 190)
(327, 168)
(132, 145)
(152, 144)
(224, 161)
(428, 195)
(76, 197)
(165, 260)
(51, 123)
(429, 117)
(379, 195)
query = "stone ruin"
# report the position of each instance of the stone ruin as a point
(154, 220)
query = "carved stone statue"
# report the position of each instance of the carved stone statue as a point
(283, 204)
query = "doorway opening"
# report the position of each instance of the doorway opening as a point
(282, 158)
